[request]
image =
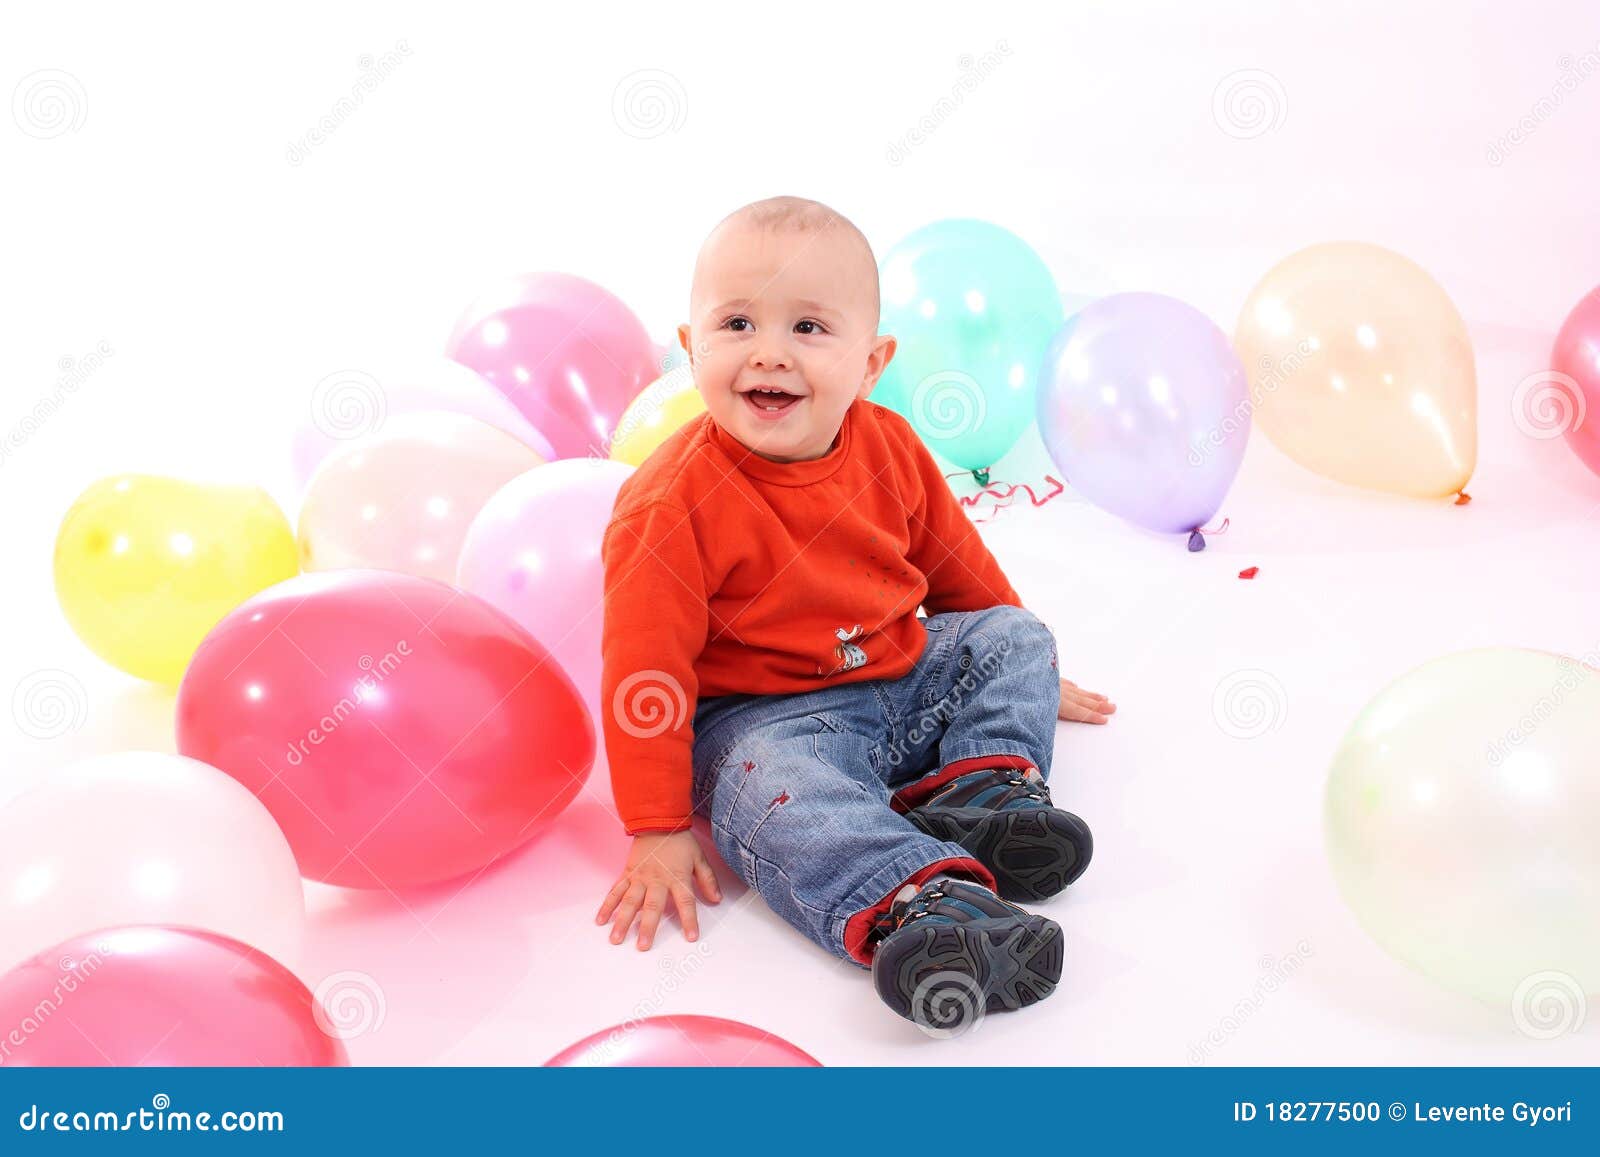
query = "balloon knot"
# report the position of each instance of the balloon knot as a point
(1249, 572)
(982, 476)
(1197, 541)
(1463, 498)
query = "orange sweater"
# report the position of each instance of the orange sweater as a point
(727, 572)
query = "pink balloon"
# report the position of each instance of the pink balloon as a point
(400, 731)
(1577, 355)
(686, 1041)
(150, 994)
(534, 552)
(570, 354)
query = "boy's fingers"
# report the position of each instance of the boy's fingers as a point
(612, 899)
(655, 902)
(706, 877)
(626, 913)
(683, 899)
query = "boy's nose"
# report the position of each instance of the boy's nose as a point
(772, 357)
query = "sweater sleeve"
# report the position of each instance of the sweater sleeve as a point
(654, 628)
(945, 546)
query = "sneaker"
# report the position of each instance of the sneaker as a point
(953, 951)
(1005, 819)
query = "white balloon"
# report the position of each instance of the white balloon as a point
(1463, 824)
(402, 499)
(144, 837)
(351, 404)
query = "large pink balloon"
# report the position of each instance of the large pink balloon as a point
(534, 552)
(687, 1041)
(1577, 356)
(399, 730)
(570, 354)
(149, 994)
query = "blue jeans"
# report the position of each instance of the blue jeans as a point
(804, 792)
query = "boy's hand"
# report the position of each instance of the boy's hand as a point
(661, 866)
(1080, 706)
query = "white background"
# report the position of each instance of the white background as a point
(171, 224)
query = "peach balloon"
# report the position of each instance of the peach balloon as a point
(403, 498)
(144, 837)
(1361, 370)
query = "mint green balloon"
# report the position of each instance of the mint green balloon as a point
(973, 309)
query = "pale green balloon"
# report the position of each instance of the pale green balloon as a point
(973, 309)
(1463, 828)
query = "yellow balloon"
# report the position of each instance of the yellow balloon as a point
(660, 409)
(1361, 369)
(145, 566)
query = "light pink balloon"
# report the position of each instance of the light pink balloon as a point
(570, 354)
(688, 1041)
(402, 499)
(534, 552)
(350, 404)
(145, 837)
(157, 996)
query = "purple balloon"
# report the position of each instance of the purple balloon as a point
(1143, 405)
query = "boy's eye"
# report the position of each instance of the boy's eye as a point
(732, 320)
(816, 327)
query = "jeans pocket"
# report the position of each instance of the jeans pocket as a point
(832, 743)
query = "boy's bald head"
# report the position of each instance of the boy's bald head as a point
(800, 215)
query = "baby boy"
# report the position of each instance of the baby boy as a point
(877, 776)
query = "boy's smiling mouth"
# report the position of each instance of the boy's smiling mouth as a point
(769, 402)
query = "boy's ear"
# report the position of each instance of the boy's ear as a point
(683, 340)
(877, 361)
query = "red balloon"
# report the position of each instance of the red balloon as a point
(1577, 355)
(401, 731)
(570, 354)
(685, 1041)
(149, 994)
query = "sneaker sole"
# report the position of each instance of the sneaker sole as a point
(946, 977)
(1034, 853)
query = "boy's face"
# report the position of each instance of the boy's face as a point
(791, 311)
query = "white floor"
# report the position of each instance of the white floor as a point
(1208, 929)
